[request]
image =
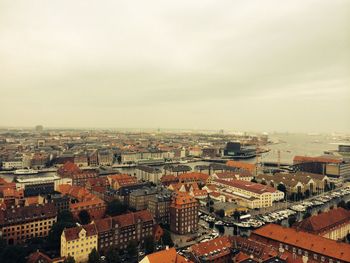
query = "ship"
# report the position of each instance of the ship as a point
(25, 171)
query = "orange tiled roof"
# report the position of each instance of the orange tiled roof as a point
(249, 186)
(73, 233)
(320, 159)
(242, 165)
(167, 256)
(182, 198)
(131, 218)
(193, 177)
(321, 223)
(221, 246)
(68, 168)
(304, 240)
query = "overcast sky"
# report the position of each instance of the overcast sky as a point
(234, 65)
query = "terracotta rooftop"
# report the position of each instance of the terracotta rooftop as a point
(321, 159)
(131, 218)
(193, 177)
(322, 222)
(242, 165)
(213, 249)
(248, 186)
(73, 233)
(166, 256)
(182, 198)
(304, 240)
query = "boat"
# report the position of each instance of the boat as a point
(219, 223)
(25, 171)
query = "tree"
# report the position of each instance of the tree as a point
(292, 220)
(65, 216)
(115, 207)
(348, 237)
(149, 245)
(342, 204)
(112, 255)
(236, 215)
(220, 213)
(54, 237)
(69, 259)
(282, 188)
(211, 209)
(264, 183)
(13, 254)
(132, 248)
(254, 180)
(306, 215)
(166, 238)
(94, 256)
(84, 217)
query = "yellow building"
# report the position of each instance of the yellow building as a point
(78, 242)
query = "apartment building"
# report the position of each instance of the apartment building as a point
(118, 231)
(138, 199)
(334, 224)
(251, 195)
(78, 242)
(19, 224)
(159, 207)
(183, 214)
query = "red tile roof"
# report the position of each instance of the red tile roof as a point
(131, 218)
(73, 233)
(304, 240)
(166, 256)
(321, 159)
(242, 165)
(213, 249)
(198, 177)
(321, 223)
(248, 186)
(68, 168)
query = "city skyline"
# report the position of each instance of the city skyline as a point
(233, 65)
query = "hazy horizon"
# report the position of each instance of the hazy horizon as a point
(202, 65)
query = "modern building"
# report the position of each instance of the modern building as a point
(78, 242)
(19, 224)
(334, 224)
(183, 214)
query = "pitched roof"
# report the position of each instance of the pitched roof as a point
(73, 233)
(319, 159)
(166, 256)
(324, 221)
(212, 249)
(132, 218)
(242, 165)
(307, 241)
(182, 198)
(248, 186)
(193, 177)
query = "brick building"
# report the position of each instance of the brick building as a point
(183, 214)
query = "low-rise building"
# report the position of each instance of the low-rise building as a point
(253, 195)
(304, 246)
(78, 242)
(334, 224)
(119, 231)
(117, 181)
(217, 250)
(168, 255)
(148, 174)
(19, 224)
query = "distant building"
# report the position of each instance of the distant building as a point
(39, 128)
(183, 214)
(78, 242)
(334, 224)
(105, 158)
(19, 224)
(79, 177)
(120, 180)
(148, 173)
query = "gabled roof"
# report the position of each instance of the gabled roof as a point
(324, 221)
(307, 241)
(73, 233)
(165, 256)
(213, 249)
